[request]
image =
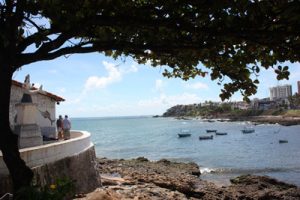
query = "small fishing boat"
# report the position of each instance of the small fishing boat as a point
(248, 130)
(208, 120)
(180, 135)
(184, 133)
(283, 141)
(211, 131)
(206, 137)
(221, 133)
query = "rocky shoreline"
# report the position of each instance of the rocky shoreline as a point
(165, 180)
(262, 119)
(282, 120)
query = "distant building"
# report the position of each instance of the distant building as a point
(241, 105)
(280, 92)
(263, 104)
(298, 83)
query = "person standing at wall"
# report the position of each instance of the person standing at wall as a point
(59, 126)
(67, 127)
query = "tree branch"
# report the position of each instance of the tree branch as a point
(35, 38)
(28, 58)
(34, 24)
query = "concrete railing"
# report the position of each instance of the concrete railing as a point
(39, 155)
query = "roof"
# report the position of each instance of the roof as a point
(45, 93)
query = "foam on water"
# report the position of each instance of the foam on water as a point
(205, 170)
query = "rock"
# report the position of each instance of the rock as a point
(173, 176)
(142, 159)
(164, 180)
(262, 187)
(145, 192)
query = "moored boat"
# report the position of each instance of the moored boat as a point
(248, 130)
(206, 137)
(211, 131)
(184, 133)
(221, 133)
(283, 141)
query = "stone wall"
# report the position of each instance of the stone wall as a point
(81, 168)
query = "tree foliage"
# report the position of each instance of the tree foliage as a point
(294, 101)
(232, 39)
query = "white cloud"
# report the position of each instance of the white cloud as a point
(132, 68)
(114, 75)
(164, 100)
(159, 85)
(197, 86)
(156, 105)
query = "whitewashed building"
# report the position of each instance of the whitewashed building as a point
(280, 92)
(46, 106)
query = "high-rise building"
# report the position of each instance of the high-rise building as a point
(298, 83)
(280, 92)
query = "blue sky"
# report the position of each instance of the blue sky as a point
(96, 86)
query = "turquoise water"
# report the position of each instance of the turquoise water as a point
(219, 159)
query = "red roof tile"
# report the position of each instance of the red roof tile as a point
(45, 93)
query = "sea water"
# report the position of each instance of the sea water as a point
(219, 159)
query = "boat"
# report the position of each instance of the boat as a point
(206, 137)
(283, 141)
(221, 133)
(208, 120)
(248, 130)
(184, 133)
(211, 131)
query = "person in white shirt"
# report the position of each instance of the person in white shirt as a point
(67, 127)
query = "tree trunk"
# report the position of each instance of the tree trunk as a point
(21, 174)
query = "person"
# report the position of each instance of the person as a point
(66, 128)
(59, 126)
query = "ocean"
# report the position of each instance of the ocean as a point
(219, 159)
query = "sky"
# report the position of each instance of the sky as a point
(94, 85)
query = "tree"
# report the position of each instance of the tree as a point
(231, 39)
(294, 101)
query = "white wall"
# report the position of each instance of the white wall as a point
(39, 155)
(43, 102)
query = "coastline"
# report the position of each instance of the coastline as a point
(143, 179)
(269, 119)
(261, 119)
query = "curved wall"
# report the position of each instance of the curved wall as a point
(74, 158)
(40, 155)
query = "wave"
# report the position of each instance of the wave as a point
(246, 171)
(206, 170)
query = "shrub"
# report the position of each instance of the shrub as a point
(60, 190)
